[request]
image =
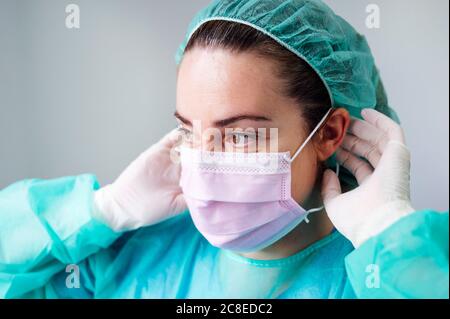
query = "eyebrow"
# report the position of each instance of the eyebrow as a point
(227, 121)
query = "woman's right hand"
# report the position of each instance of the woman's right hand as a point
(146, 193)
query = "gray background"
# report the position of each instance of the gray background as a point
(90, 100)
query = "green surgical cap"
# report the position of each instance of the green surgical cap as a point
(311, 30)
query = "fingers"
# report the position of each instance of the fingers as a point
(331, 187)
(369, 133)
(359, 168)
(171, 138)
(163, 147)
(395, 165)
(362, 148)
(377, 130)
(393, 131)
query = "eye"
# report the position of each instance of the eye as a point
(240, 139)
(186, 133)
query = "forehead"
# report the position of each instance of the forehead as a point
(215, 83)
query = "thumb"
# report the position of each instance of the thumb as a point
(179, 204)
(331, 187)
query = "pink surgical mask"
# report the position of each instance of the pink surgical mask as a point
(242, 201)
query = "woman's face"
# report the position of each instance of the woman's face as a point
(222, 89)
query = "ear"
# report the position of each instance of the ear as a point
(332, 134)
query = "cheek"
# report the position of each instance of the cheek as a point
(304, 172)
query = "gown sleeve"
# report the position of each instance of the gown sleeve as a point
(47, 231)
(407, 260)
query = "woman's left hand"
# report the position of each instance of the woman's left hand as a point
(383, 194)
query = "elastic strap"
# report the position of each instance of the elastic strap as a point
(311, 135)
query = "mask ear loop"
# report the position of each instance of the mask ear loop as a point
(310, 136)
(313, 210)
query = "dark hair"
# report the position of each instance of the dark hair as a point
(301, 82)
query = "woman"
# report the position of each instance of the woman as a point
(251, 230)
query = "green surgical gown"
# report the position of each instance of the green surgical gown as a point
(52, 247)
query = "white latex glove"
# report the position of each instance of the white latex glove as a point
(383, 194)
(146, 193)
